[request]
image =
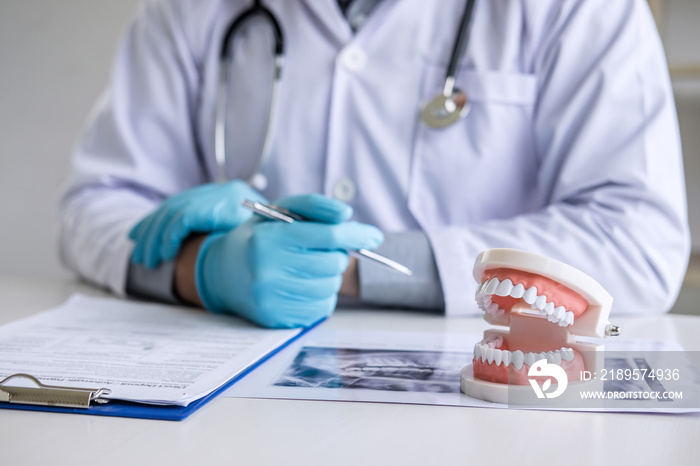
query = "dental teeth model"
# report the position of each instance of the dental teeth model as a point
(541, 306)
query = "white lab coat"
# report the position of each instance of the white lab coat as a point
(571, 148)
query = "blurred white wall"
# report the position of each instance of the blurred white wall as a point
(679, 29)
(55, 58)
(54, 61)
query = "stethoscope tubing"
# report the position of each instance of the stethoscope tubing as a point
(257, 9)
(432, 113)
(460, 44)
(257, 180)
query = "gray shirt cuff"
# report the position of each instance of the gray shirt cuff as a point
(155, 284)
(379, 285)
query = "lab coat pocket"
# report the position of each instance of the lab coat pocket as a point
(483, 166)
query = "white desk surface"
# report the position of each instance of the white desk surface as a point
(289, 432)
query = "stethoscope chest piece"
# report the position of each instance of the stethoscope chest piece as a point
(443, 110)
(452, 103)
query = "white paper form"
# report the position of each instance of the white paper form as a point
(142, 352)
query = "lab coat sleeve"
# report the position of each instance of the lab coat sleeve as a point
(421, 290)
(610, 167)
(152, 283)
(138, 147)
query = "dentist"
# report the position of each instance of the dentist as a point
(570, 149)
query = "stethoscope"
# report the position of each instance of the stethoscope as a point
(441, 111)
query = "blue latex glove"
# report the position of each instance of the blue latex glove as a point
(279, 274)
(204, 209)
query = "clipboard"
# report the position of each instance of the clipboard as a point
(73, 400)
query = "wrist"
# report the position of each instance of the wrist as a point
(351, 280)
(184, 280)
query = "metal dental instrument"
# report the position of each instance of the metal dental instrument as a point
(274, 212)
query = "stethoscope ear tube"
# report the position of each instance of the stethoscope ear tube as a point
(257, 179)
(220, 122)
(460, 44)
(256, 9)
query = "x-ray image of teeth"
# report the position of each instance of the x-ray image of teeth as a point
(406, 371)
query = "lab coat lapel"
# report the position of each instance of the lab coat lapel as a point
(329, 15)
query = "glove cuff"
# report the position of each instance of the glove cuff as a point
(209, 299)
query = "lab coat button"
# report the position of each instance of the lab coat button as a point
(354, 58)
(344, 190)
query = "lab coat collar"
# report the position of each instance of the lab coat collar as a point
(329, 14)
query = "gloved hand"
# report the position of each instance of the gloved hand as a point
(204, 209)
(279, 274)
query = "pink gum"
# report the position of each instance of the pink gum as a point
(561, 295)
(511, 375)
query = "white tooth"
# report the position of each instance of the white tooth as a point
(529, 359)
(489, 355)
(477, 351)
(493, 341)
(530, 295)
(506, 356)
(504, 288)
(567, 354)
(491, 286)
(499, 312)
(554, 357)
(543, 313)
(560, 314)
(549, 308)
(480, 291)
(518, 359)
(492, 308)
(552, 318)
(518, 291)
(540, 302)
(569, 317)
(559, 311)
(497, 357)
